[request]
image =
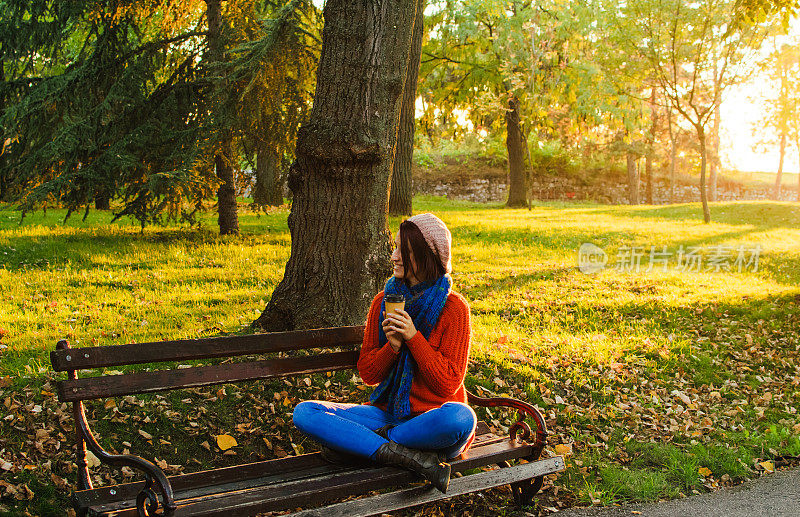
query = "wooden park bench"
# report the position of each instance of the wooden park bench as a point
(287, 483)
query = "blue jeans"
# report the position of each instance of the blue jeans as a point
(350, 427)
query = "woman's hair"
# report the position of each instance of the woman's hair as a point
(429, 264)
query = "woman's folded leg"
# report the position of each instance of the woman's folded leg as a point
(341, 426)
(445, 429)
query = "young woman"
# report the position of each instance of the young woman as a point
(417, 416)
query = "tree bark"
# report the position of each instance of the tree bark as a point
(515, 145)
(228, 217)
(268, 190)
(5, 179)
(633, 179)
(779, 177)
(712, 179)
(102, 201)
(701, 136)
(400, 195)
(341, 245)
(651, 138)
(672, 155)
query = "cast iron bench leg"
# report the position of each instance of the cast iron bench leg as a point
(524, 491)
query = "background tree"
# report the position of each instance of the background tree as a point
(225, 157)
(691, 48)
(272, 66)
(120, 116)
(501, 61)
(779, 122)
(620, 87)
(400, 191)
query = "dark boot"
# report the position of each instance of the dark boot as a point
(426, 464)
(340, 458)
(383, 432)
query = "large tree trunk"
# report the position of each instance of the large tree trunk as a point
(400, 195)
(268, 190)
(228, 217)
(341, 245)
(633, 178)
(515, 145)
(651, 138)
(701, 136)
(779, 177)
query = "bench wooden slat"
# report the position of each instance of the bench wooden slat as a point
(206, 348)
(290, 467)
(145, 382)
(305, 492)
(415, 496)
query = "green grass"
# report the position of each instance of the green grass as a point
(602, 355)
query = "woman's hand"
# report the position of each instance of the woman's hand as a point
(401, 322)
(394, 338)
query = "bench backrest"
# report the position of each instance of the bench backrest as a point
(73, 359)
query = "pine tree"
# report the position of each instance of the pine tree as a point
(134, 101)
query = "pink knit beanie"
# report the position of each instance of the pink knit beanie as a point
(436, 235)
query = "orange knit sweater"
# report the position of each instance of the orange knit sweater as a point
(441, 359)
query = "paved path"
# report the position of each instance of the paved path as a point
(773, 495)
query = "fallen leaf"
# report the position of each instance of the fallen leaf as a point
(704, 471)
(682, 397)
(225, 442)
(92, 460)
(564, 449)
(145, 435)
(768, 466)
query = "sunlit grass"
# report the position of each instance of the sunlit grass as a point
(94, 282)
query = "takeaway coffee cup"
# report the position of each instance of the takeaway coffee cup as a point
(394, 301)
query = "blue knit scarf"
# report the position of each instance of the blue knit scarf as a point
(424, 303)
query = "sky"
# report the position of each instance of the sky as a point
(740, 116)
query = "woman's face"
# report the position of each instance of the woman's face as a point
(397, 260)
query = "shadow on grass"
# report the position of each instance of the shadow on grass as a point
(80, 249)
(527, 239)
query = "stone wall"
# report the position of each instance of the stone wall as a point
(494, 189)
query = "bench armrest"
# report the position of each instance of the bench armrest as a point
(147, 502)
(523, 409)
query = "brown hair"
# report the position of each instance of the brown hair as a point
(429, 264)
